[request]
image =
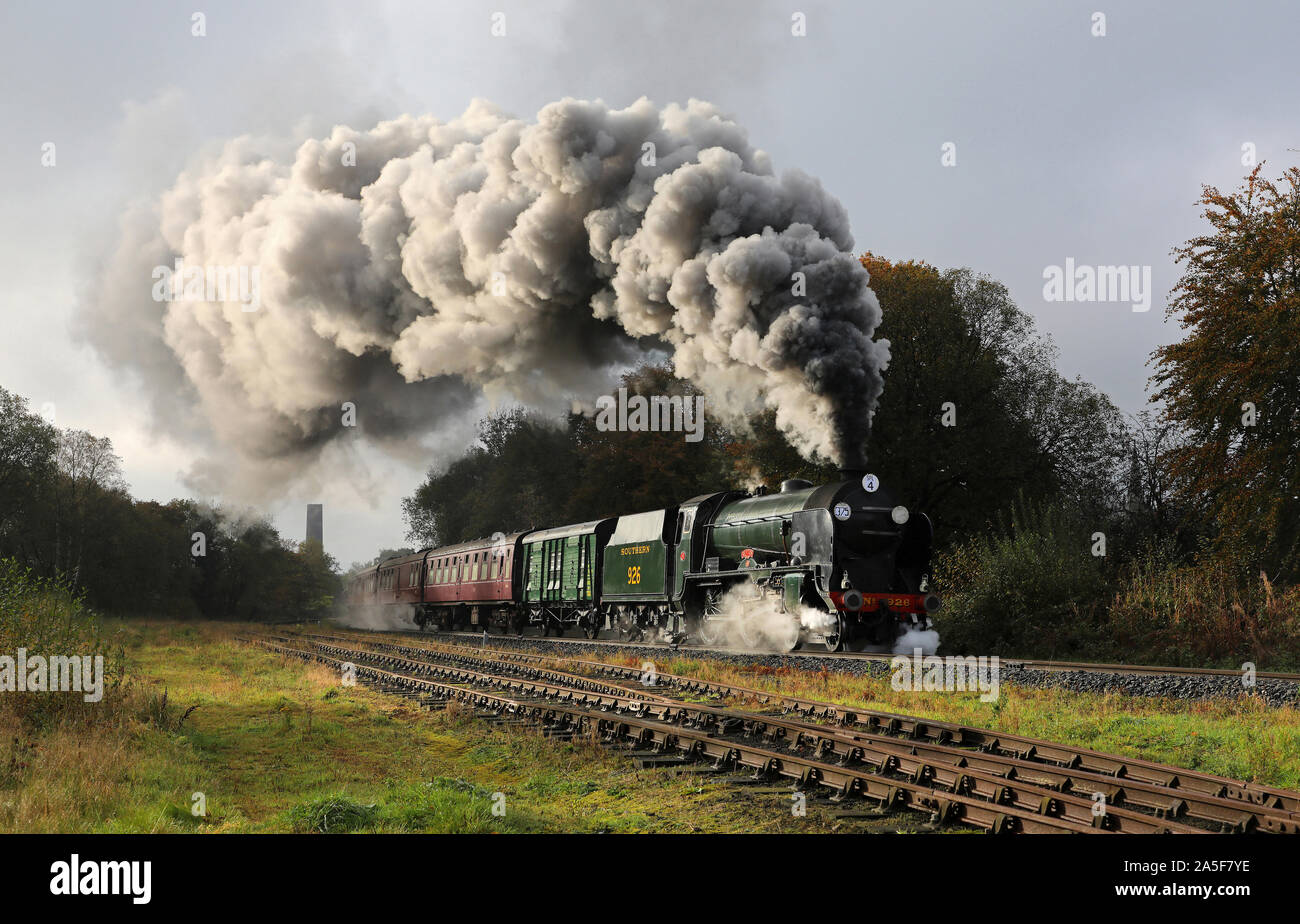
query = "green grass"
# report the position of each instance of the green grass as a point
(277, 745)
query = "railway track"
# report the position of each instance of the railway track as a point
(952, 773)
(1025, 663)
(1268, 687)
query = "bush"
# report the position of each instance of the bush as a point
(1205, 614)
(1030, 587)
(46, 617)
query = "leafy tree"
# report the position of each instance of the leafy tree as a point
(88, 471)
(66, 514)
(974, 411)
(630, 471)
(1232, 385)
(28, 445)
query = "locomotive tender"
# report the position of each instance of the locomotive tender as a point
(838, 564)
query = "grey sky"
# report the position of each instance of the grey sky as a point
(1068, 145)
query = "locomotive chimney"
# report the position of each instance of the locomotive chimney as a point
(854, 465)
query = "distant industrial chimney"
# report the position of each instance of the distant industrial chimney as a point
(316, 523)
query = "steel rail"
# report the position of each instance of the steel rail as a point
(844, 781)
(996, 779)
(1031, 663)
(1164, 801)
(982, 774)
(1132, 771)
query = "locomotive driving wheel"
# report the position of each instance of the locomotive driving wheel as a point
(834, 639)
(706, 627)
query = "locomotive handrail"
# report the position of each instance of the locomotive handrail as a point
(774, 516)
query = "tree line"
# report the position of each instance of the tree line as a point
(66, 514)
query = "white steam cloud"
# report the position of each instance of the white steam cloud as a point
(927, 640)
(420, 268)
(376, 617)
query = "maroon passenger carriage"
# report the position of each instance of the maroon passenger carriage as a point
(468, 584)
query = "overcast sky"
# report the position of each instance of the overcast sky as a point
(1068, 146)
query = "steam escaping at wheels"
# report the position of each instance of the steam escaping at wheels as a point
(747, 618)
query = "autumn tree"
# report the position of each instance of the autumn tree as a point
(1232, 384)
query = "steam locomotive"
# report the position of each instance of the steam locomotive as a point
(841, 565)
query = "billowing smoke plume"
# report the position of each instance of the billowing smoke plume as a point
(420, 267)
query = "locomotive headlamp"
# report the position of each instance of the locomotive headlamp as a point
(899, 515)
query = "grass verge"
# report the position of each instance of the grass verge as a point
(264, 744)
